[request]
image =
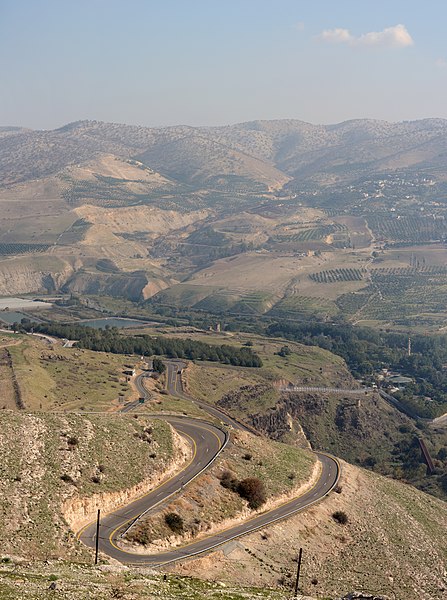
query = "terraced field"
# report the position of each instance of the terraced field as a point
(401, 295)
(296, 306)
(408, 229)
(14, 249)
(335, 275)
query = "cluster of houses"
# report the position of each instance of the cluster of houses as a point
(395, 381)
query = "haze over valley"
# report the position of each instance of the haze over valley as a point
(329, 214)
(223, 300)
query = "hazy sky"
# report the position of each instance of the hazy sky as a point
(165, 62)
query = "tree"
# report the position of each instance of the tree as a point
(285, 351)
(253, 490)
(158, 365)
(174, 521)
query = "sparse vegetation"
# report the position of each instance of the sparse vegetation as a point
(174, 521)
(31, 581)
(340, 516)
(253, 490)
(49, 379)
(36, 527)
(229, 487)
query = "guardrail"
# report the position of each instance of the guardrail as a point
(309, 388)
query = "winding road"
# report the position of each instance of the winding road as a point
(207, 441)
(174, 384)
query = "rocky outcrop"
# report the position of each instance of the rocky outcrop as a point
(291, 409)
(279, 424)
(27, 275)
(132, 286)
(238, 399)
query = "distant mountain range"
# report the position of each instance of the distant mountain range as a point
(265, 155)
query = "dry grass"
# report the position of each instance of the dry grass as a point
(32, 580)
(47, 459)
(205, 505)
(68, 378)
(393, 544)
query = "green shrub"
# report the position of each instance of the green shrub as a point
(340, 516)
(253, 490)
(174, 521)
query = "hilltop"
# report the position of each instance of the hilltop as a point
(269, 153)
(344, 220)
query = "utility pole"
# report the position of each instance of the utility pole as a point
(298, 573)
(409, 346)
(97, 537)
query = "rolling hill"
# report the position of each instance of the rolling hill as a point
(211, 207)
(265, 152)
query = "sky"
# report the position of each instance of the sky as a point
(215, 62)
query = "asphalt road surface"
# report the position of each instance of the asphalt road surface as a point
(207, 442)
(174, 384)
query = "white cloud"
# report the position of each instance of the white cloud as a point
(441, 63)
(394, 37)
(299, 26)
(336, 36)
(397, 36)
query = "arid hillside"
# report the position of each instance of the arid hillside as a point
(372, 534)
(266, 152)
(57, 468)
(393, 543)
(341, 220)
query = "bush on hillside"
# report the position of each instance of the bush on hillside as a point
(340, 516)
(253, 490)
(174, 521)
(229, 481)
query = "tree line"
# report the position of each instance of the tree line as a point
(110, 340)
(366, 351)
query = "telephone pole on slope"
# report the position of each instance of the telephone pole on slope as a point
(298, 573)
(97, 537)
